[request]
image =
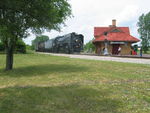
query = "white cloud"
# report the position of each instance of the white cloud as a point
(128, 13)
(91, 13)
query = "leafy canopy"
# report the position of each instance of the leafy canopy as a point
(17, 16)
(41, 38)
(144, 30)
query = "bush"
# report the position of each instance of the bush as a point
(28, 47)
(2, 47)
(89, 47)
(20, 47)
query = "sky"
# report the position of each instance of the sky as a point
(88, 14)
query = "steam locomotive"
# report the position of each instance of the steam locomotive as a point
(70, 43)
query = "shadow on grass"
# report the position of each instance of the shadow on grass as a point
(57, 99)
(44, 69)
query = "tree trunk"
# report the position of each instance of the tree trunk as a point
(9, 58)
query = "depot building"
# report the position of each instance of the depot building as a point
(113, 38)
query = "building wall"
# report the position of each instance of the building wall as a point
(125, 48)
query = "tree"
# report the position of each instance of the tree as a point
(89, 46)
(41, 38)
(18, 17)
(144, 30)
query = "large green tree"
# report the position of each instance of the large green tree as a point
(40, 38)
(18, 17)
(144, 30)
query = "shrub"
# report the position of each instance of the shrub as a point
(20, 47)
(2, 47)
(89, 47)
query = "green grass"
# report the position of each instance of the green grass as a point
(50, 84)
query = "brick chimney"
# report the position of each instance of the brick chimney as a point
(114, 23)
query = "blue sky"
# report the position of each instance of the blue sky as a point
(91, 13)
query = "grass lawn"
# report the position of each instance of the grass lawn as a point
(50, 84)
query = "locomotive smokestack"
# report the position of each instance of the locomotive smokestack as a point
(114, 23)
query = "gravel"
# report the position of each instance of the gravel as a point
(104, 58)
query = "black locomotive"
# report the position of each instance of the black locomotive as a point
(70, 43)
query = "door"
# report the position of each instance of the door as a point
(115, 49)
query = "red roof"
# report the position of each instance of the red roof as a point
(123, 34)
(117, 37)
(100, 30)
